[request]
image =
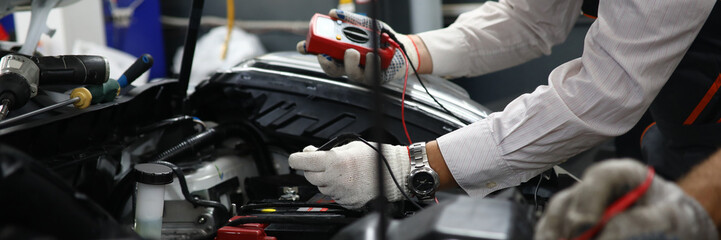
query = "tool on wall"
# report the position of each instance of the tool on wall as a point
(19, 79)
(20, 75)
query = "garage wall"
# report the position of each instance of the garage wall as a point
(492, 90)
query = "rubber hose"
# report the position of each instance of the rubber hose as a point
(186, 193)
(188, 144)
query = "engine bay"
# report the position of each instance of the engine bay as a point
(228, 147)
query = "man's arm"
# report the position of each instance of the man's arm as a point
(435, 159)
(629, 53)
(703, 183)
(425, 65)
(499, 35)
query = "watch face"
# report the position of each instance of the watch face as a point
(423, 182)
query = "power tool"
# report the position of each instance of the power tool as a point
(20, 75)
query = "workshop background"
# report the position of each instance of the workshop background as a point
(294, 16)
(158, 27)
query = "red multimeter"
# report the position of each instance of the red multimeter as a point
(333, 36)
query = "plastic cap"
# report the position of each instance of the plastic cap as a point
(153, 173)
(84, 95)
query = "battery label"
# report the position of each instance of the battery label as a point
(311, 209)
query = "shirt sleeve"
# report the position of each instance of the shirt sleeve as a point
(499, 35)
(629, 53)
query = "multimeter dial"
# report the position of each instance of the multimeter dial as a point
(343, 32)
(356, 34)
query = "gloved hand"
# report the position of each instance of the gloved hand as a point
(663, 212)
(350, 66)
(348, 173)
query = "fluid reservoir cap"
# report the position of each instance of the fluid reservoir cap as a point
(153, 173)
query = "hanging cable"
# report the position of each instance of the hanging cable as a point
(403, 107)
(403, 114)
(535, 193)
(381, 205)
(230, 6)
(396, 44)
(403, 50)
(186, 63)
(403, 96)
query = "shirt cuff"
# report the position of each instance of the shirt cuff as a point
(447, 48)
(474, 159)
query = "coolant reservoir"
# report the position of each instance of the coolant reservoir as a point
(151, 179)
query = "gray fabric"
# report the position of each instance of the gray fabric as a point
(663, 212)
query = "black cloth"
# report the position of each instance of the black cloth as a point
(688, 108)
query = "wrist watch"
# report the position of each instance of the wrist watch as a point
(422, 180)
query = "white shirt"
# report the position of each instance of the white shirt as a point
(629, 53)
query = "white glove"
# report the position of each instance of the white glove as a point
(663, 212)
(350, 65)
(348, 173)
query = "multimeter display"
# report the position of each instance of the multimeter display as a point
(325, 27)
(333, 37)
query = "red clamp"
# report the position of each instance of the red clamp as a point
(619, 206)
